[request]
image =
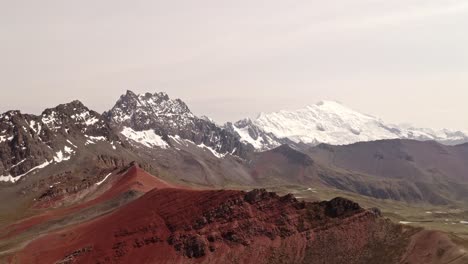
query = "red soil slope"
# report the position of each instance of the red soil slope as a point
(133, 179)
(187, 226)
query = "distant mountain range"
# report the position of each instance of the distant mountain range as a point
(286, 147)
(332, 123)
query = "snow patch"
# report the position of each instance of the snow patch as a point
(65, 155)
(91, 121)
(14, 179)
(68, 150)
(58, 157)
(182, 141)
(405, 222)
(214, 152)
(99, 138)
(186, 142)
(245, 137)
(233, 151)
(32, 123)
(147, 137)
(86, 118)
(5, 138)
(105, 178)
(17, 164)
(71, 143)
(50, 120)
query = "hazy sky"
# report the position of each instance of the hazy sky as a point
(401, 60)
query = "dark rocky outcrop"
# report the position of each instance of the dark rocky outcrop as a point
(339, 207)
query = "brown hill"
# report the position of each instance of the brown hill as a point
(186, 226)
(170, 224)
(419, 171)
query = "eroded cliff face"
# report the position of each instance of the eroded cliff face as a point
(173, 225)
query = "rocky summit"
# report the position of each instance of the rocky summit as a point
(157, 113)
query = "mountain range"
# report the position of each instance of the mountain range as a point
(72, 170)
(332, 123)
(288, 147)
(29, 143)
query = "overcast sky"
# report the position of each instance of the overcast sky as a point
(401, 60)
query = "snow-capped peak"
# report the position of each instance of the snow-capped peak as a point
(144, 107)
(333, 123)
(337, 108)
(163, 116)
(326, 121)
(73, 113)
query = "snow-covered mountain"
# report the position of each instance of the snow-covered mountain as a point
(145, 126)
(29, 143)
(137, 124)
(333, 123)
(153, 119)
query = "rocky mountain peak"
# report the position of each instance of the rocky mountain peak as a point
(9, 114)
(72, 115)
(250, 134)
(73, 107)
(208, 119)
(30, 142)
(142, 110)
(129, 93)
(13, 123)
(244, 122)
(160, 116)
